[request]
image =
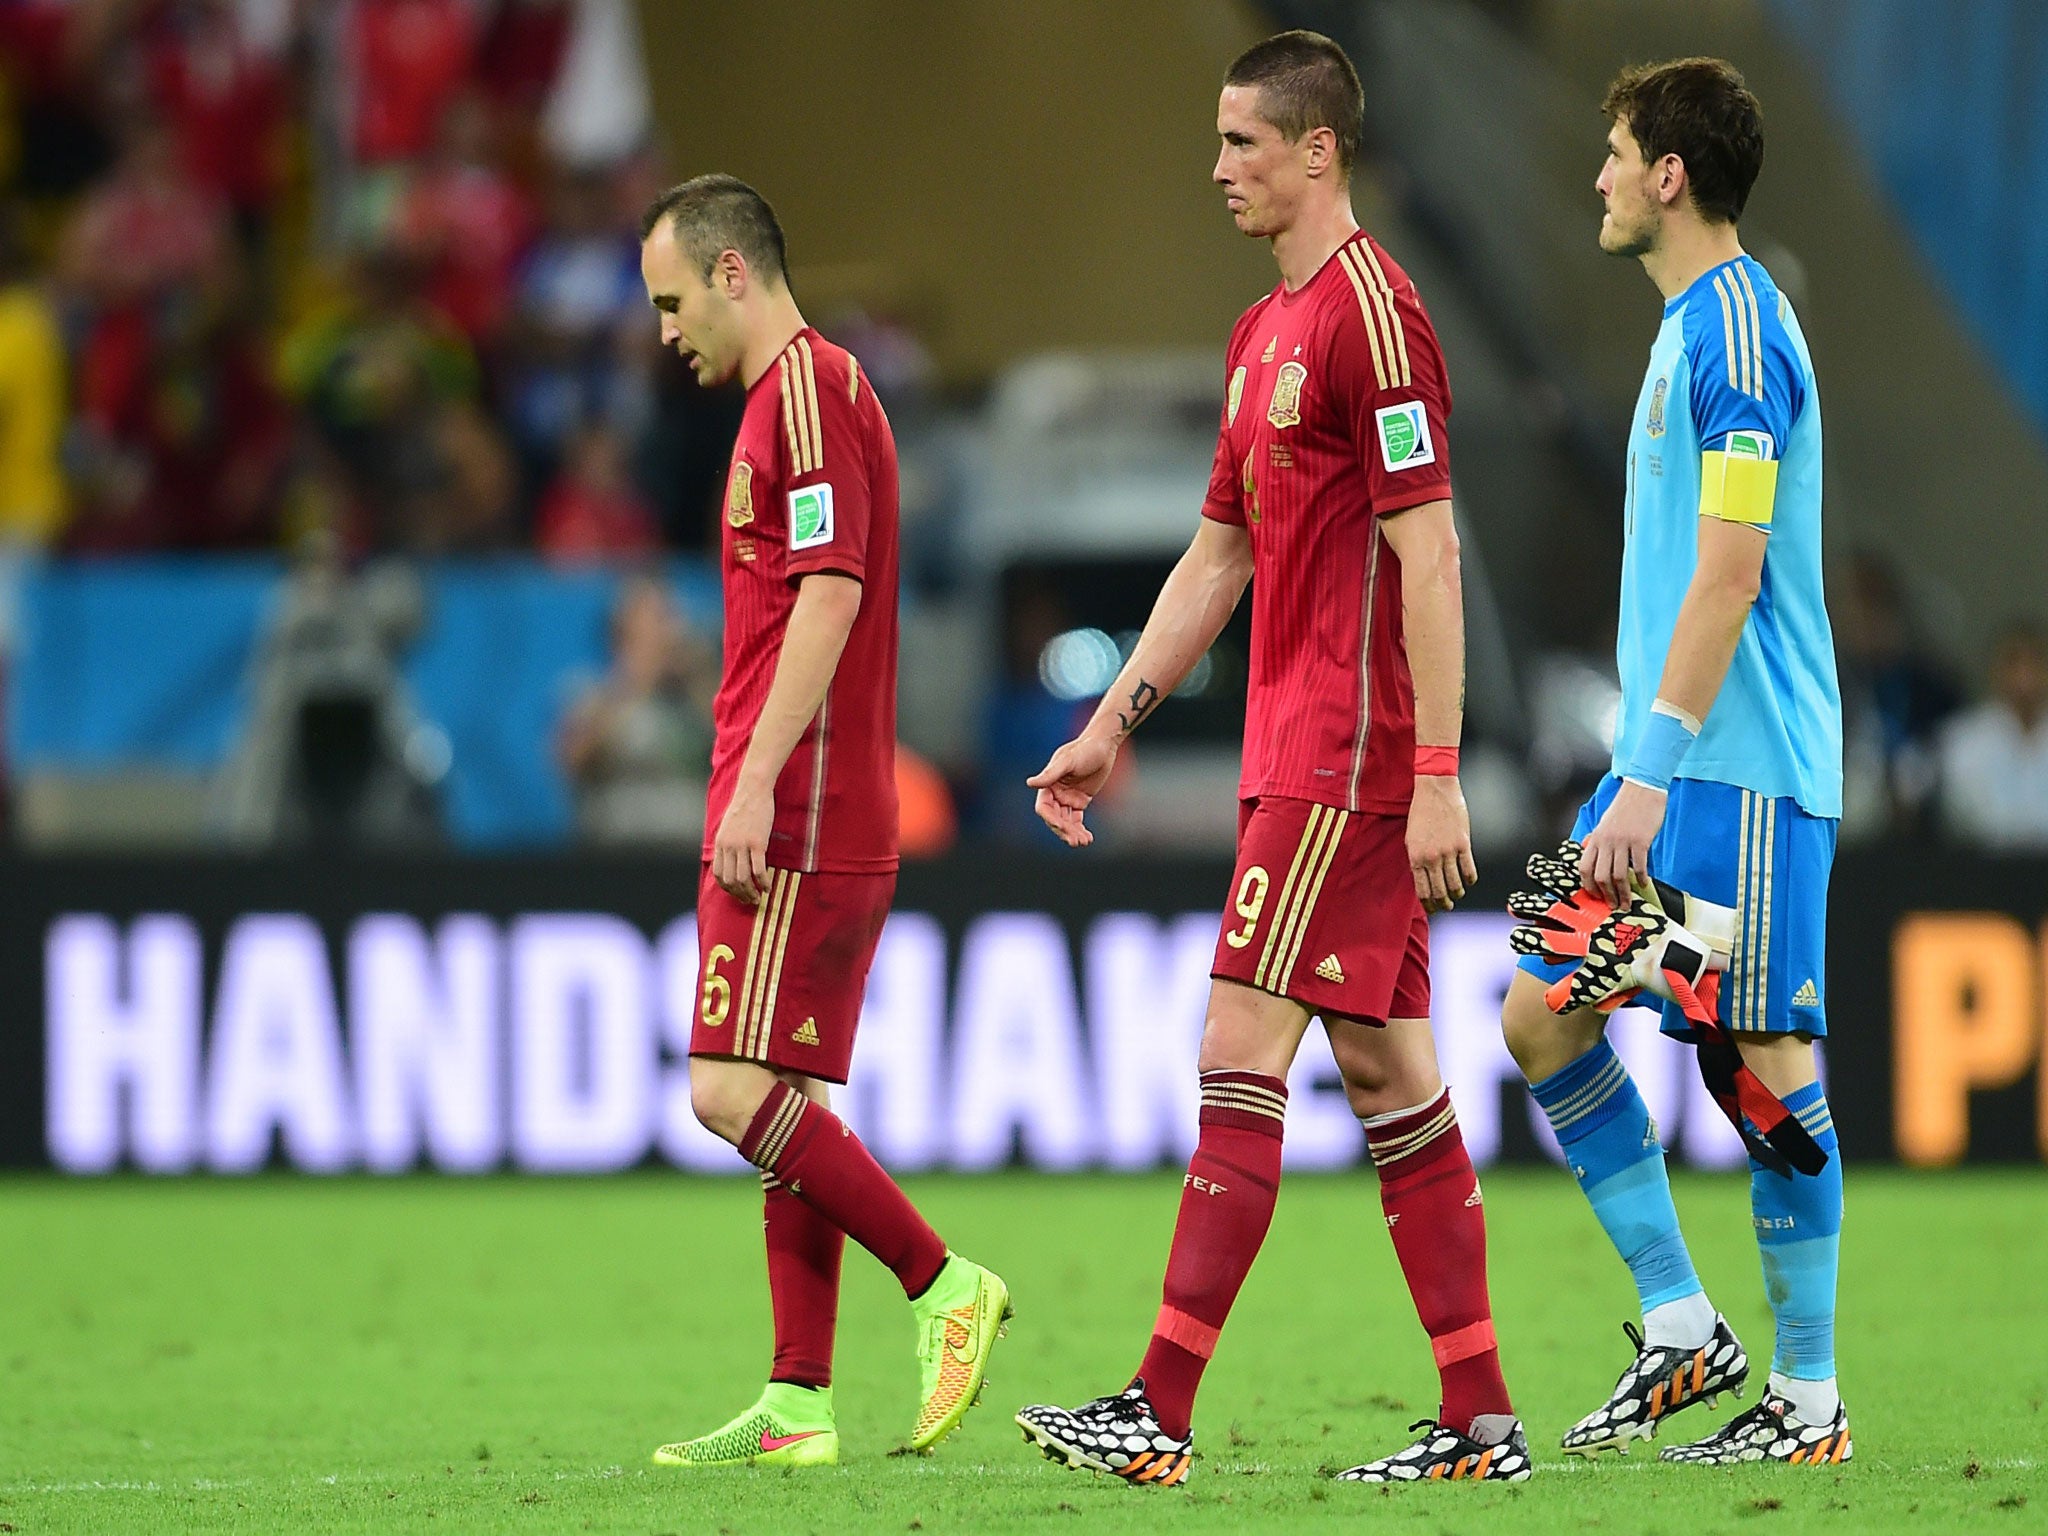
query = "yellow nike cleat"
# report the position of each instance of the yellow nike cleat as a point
(790, 1426)
(959, 1320)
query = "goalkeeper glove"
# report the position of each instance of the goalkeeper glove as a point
(1644, 946)
(1622, 951)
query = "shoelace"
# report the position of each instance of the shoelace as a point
(1749, 1418)
(933, 1339)
(1130, 1397)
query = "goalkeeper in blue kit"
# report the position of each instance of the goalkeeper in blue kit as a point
(1697, 874)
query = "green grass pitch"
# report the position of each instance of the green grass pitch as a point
(437, 1356)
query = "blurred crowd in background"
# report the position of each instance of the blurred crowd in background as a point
(365, 268)
(351, 280)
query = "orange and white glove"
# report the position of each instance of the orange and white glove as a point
(1621, 951)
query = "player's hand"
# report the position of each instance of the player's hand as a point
(1073, 776)
(739, 854)
(1440, 842)
(1619, 847)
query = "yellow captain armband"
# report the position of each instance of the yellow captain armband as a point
(1739, 481)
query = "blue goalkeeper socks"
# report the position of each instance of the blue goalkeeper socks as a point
(1799, 1235)
(1605, 1130)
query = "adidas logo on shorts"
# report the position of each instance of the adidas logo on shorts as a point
(806, 1033)
(1330, 970)
(1808, 995)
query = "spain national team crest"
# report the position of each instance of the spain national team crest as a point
(1657, 393)
(1285, 410)
(1236, 395)
(739, 504)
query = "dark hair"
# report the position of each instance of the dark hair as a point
(1305, 82)
(717, 213)
(1701, 111)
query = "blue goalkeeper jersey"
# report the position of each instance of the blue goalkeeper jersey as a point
(1728, 425)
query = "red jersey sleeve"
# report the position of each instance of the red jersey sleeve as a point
(1225, 501)
(1392, 387)
(827, 440)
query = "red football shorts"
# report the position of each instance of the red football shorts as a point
(780, 983)
(1323, 910)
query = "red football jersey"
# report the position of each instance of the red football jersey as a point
(1334, 415)
(813, 488)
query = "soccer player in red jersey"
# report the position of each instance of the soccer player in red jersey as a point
(1331, 496)
(800, 856)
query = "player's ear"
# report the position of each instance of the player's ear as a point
(729, 274)
(1671, 180)
(1322, 150)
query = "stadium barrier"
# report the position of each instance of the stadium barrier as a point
(333, 1014)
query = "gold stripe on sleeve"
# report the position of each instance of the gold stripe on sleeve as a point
(1727, 328)
(1393, 310)
(1748, 384)
(810, 395)
(1365, 308)
(796, 451)
(1756, 328)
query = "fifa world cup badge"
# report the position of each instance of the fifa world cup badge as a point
(1285, 410)
(1236, 395)
(739, 505)
(1658, 391)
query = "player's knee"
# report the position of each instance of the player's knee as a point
(1784, 1062)
(1368, 1077)
(1524, 1036)
(1231, 1050)
(706, 1102)
(1366, 1092)
(1385, 1068)
(1250, 1031)
(724, 1096)
(1543, 1043)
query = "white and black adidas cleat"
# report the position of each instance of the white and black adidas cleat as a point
(1120, 1435)
(1769, 1432)
(1662, 1379)
(1448, 1455)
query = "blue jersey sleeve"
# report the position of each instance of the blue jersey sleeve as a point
(1747, 388)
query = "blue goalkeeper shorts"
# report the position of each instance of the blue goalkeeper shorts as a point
(1769, 860)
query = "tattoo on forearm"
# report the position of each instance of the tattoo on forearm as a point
(1144, 699)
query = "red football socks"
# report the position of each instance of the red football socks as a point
(1438, 1223)
(1226, 1205)
(804, 1250)
(824, 1165)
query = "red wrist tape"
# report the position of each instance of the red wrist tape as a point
(1435, 761)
